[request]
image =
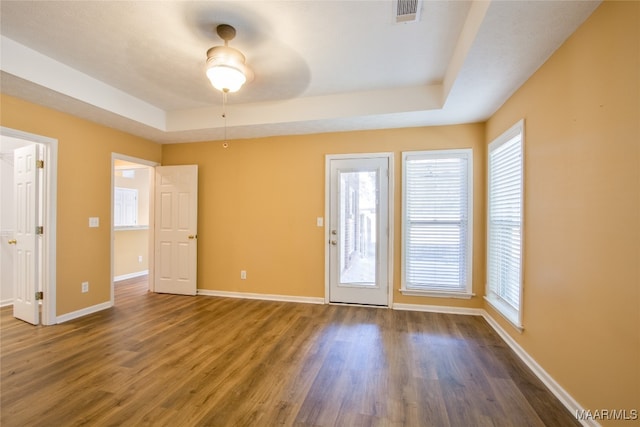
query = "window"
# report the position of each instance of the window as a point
(437, 226)
(125, 212)
(504, 224)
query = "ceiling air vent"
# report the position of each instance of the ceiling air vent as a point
(407, 10)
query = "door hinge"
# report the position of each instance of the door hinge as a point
(39, 296)
(40, 164)
(39, 230)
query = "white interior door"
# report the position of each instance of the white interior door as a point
(25, 305)
(358, 225)
(176, 232)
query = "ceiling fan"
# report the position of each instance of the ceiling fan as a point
(226, 68)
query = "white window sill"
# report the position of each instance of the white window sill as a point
(437, 294)
(506, 311)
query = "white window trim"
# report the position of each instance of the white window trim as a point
(468, 291)
(513, 316)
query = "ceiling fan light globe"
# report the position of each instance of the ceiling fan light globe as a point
(226, 78)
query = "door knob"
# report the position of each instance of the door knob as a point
(334, 242)
(334, 232)
(12, 242)
(192, 236)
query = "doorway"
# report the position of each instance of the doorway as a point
(359, 212)
(132, 220)
(28, 225)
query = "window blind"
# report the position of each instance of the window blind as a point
(436, 221)
(504, 246)
(125, 209)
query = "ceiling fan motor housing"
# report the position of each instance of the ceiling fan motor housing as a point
(226, 32)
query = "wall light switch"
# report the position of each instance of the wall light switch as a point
(94, 221)
(320, 221)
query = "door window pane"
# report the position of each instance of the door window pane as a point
(358, 223)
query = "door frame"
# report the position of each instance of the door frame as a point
(151, 243)
(390, 218)
(49, 208)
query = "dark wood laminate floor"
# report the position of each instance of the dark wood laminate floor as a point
(171, 360)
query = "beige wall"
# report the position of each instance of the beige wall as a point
(84, 150)
(582, 224)
(259, 200)
(128, 246)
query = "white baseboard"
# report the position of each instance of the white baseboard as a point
(6, 302)
(130, 275)
(85, 311)
(266, 297)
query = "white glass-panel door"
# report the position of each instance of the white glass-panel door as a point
(358, 223)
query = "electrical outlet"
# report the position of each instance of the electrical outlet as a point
(139, 258)
(243, 274)
(85, 287)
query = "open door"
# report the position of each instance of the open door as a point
(25, 304)
(176, 232)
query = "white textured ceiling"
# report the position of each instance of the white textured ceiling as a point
(319, 66)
